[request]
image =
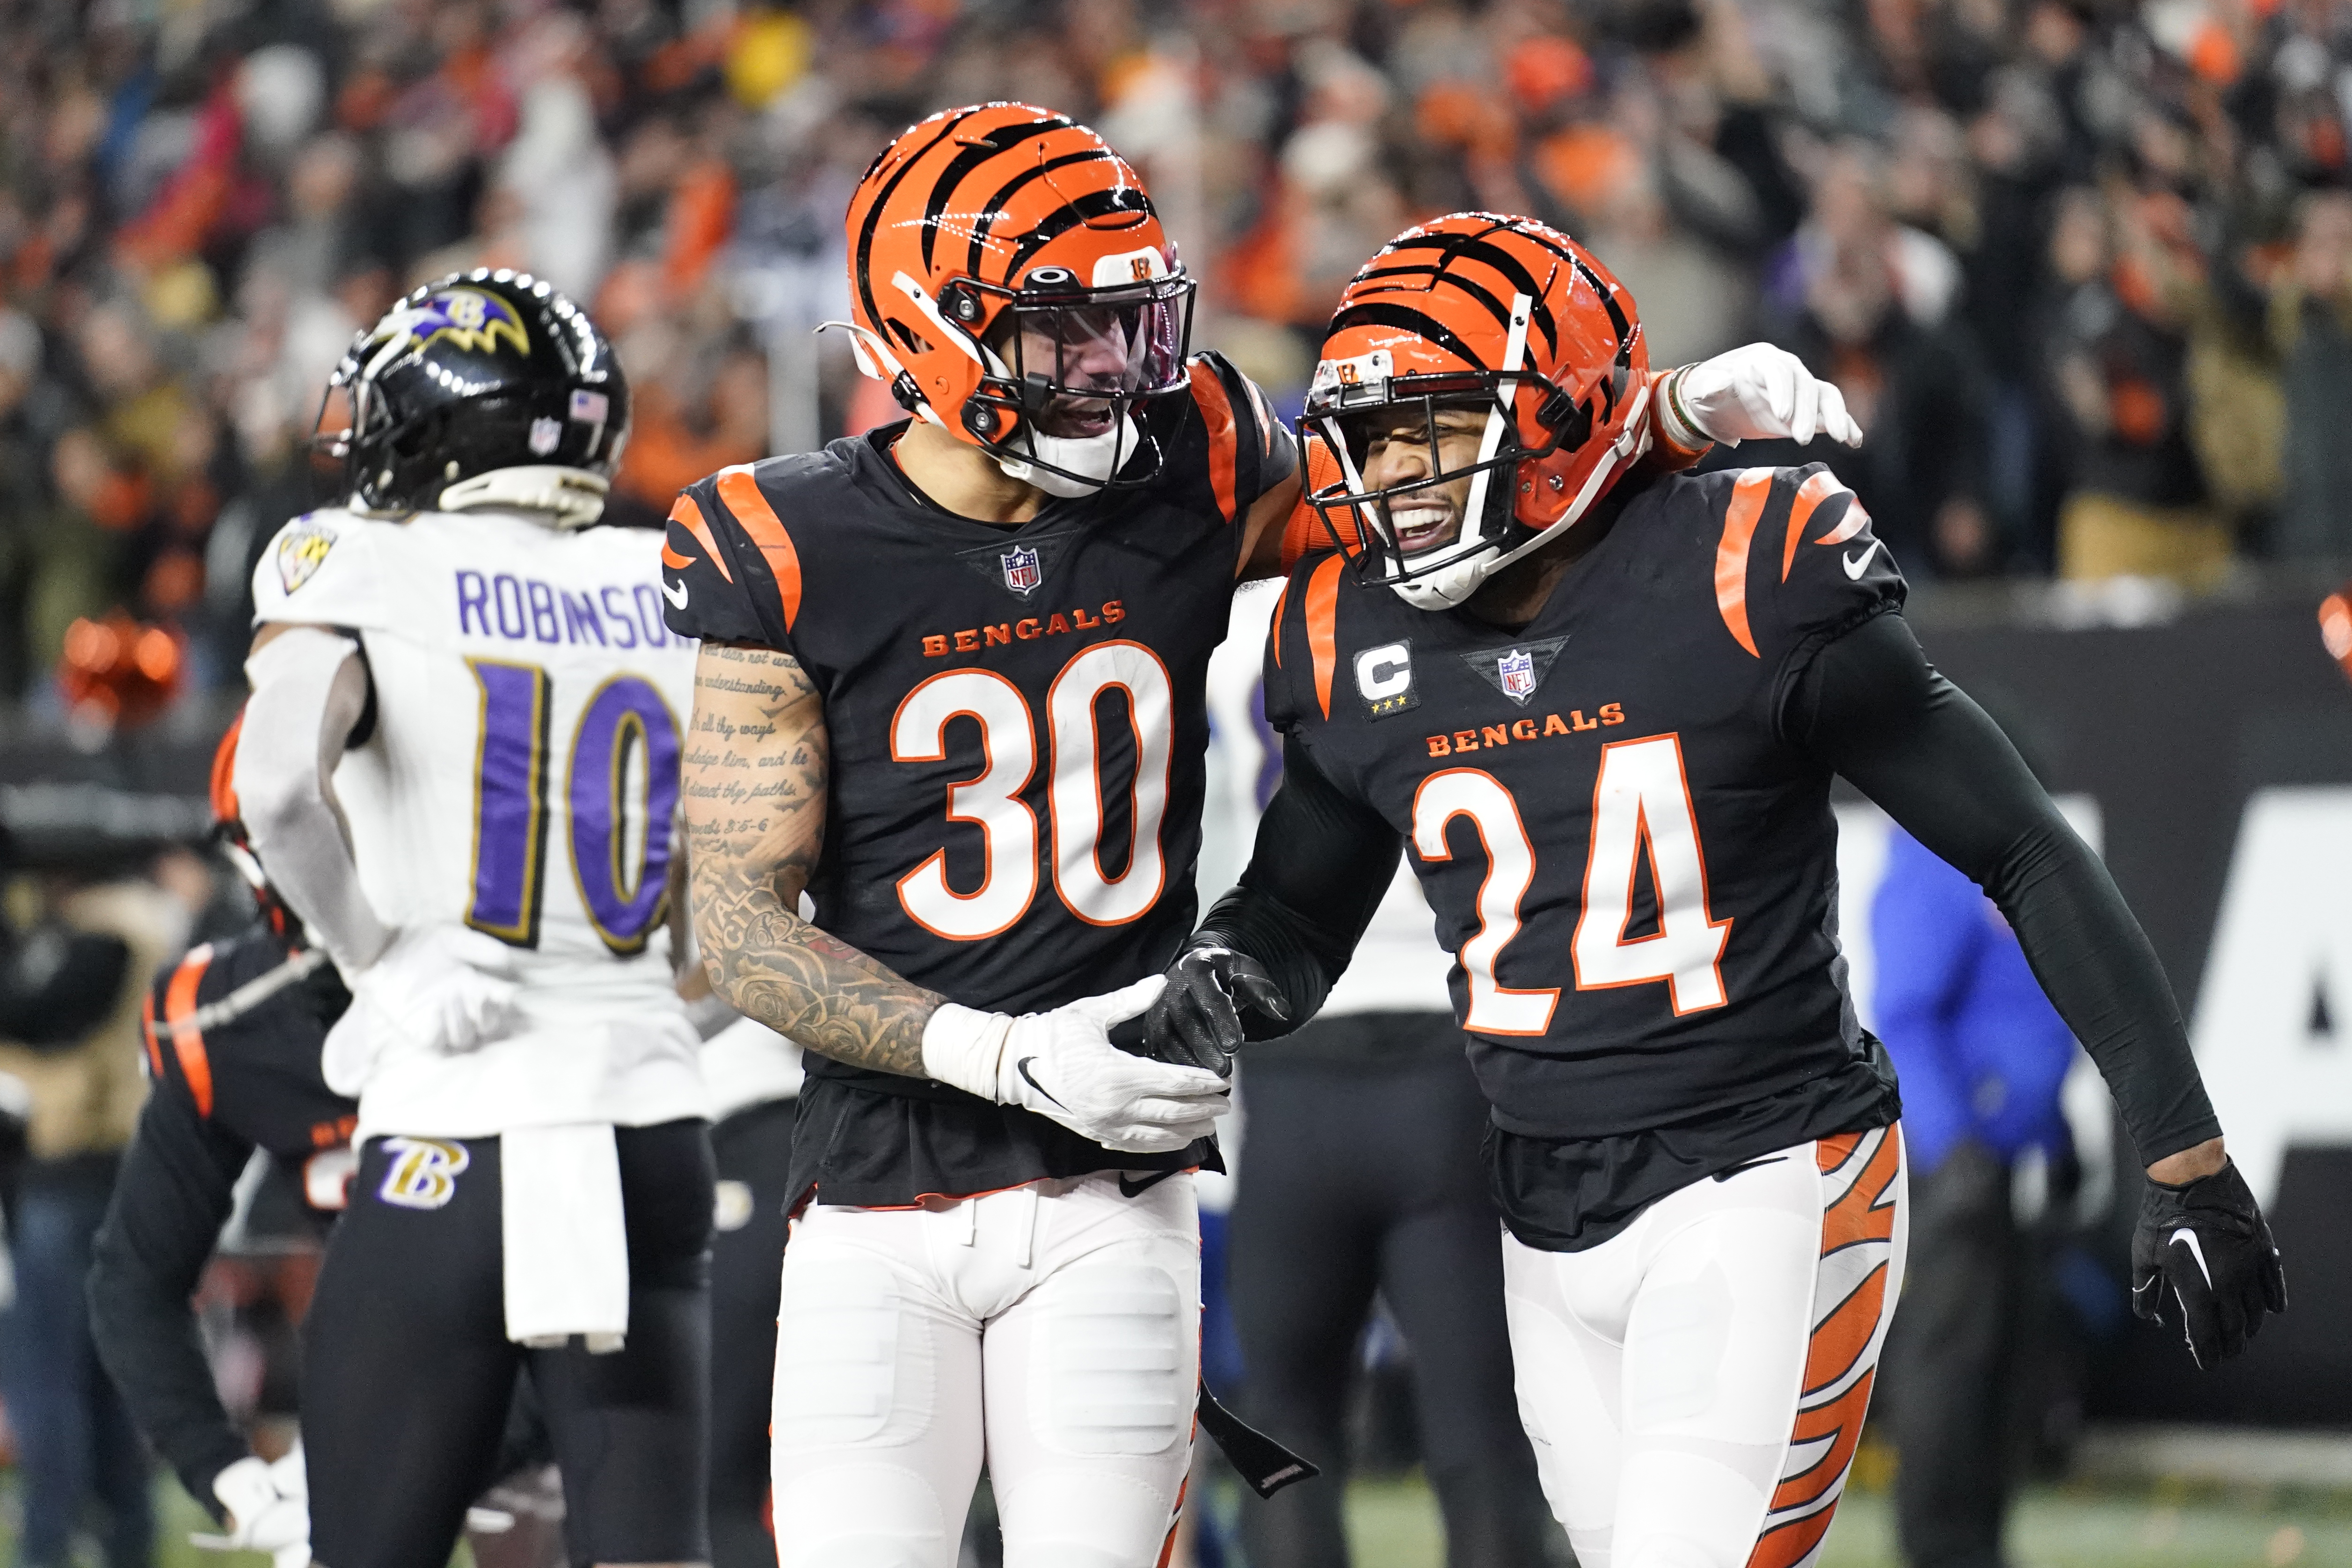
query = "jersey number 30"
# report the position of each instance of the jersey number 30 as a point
(1008, 826)
(1641, 800)
(622, 775)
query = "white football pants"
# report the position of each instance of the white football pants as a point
(1052, 1328)
(1694, 1386)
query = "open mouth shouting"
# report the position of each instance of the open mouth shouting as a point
(1422, 522)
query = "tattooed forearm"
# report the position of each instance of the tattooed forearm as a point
(755, 793)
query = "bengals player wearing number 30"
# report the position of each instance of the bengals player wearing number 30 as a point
(1601, 712)
(951, 689)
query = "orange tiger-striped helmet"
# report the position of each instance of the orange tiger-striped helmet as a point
(1482, 311)
(1010, 280)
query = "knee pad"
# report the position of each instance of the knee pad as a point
(863, 1516)
(1085, 1516)
(852, 1363)
(1110, 1362)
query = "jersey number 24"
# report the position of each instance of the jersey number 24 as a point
(1641, 799)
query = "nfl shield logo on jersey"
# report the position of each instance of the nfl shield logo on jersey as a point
(1022, 570)
(1515, 673)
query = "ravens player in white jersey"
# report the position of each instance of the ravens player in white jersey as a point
(952, 690)
(460, 766)
(1601, 712)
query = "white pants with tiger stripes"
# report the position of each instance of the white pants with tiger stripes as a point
(1053, 1330)
(1694, 1386)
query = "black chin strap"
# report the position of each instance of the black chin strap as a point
(1264, 1464)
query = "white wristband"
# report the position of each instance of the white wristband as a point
(963, 1046)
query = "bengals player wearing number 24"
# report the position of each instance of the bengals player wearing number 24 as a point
(1601, 713)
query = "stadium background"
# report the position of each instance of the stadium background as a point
(2085, 271)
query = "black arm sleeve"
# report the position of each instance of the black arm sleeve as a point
(175, 1189)
(1317, 850)
(1870, 706)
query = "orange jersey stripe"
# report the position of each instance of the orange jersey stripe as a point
(1322, 625)
(744, 497)
(1748, 493)
(187, 1040)
(1225, 437)
(1810, 494)
(1855, 521)
(673, 560)
(688, 514)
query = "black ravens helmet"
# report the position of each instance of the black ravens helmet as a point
(486, 388)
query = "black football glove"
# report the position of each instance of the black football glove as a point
(1197, 1021)
(2204, 1252)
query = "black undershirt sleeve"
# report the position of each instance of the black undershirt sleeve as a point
(1317, 850)
(1870, 706)
(177, 1184)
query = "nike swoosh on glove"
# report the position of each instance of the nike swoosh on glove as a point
(2204, 1252)
(268, 1510)
(1197, 1021)
(435, 988)
(1754, 392)
(1062, 1065)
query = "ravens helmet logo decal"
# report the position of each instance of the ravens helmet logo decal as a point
(470, 319)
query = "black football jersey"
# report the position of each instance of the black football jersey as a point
(1017, 721)
(233, 1036)
(1636, 873)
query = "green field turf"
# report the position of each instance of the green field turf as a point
(1394, 1524)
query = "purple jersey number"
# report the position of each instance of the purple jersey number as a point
(620, 835)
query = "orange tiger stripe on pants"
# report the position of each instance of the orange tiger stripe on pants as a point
(1859, 1173)
(1694, 1386)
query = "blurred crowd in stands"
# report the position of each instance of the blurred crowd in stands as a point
(2084, 269)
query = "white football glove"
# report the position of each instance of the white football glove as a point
(1062, 1065)
(436, 988)
(269, 1508)
(1754, 392)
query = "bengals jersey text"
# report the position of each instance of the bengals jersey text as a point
(1632, 865)
(1016, 721)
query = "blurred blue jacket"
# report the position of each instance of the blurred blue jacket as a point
(1980, 1051)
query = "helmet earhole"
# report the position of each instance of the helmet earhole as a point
(904, 391)
(979, 418)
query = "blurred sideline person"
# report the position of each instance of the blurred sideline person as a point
(232, 1032)
(458, 766)
(1362, 1179)
(951, 687)
(1627, 696)
(70, 992)
(1983, 1058)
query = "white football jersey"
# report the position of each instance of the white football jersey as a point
(521, 777)
(1398, 966)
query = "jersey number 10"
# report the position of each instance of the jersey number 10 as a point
(1641, 799)
(626, 737)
